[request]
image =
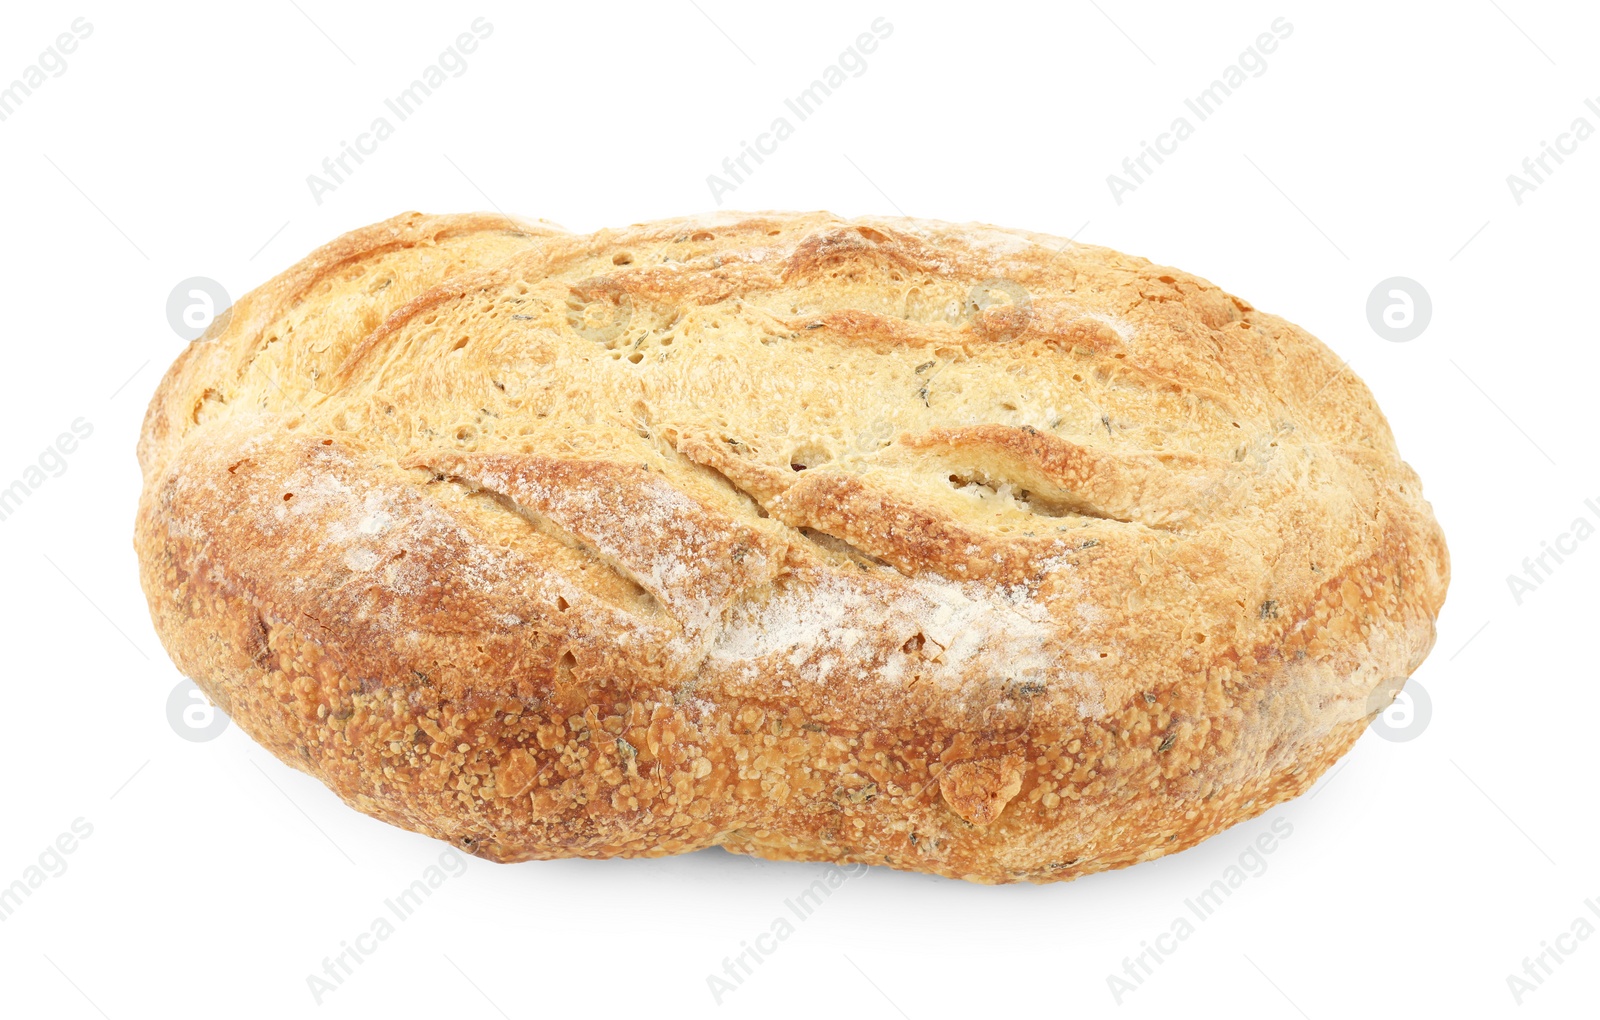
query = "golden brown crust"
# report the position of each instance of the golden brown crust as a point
(952, 548)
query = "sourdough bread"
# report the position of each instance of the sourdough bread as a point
(958, 549)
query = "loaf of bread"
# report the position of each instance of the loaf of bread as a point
(956, 549)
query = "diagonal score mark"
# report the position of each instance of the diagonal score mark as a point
(474, 984)
(1502, 410)
(74, 985)
(1471, 639)
(725, 35)
(97, 208)
(130, 379)
(1343, 364)
(1469, 240)
(97, 608)
(515, 226)
(1071, 238)
(1125, 35)
(1274, 984)
(269, 240)
(1502, 811)
(255, 366)
(870, 181)
(874, 984)
(1297, 208)
(130, 779)
(325, 35)
(1325, 782)
(1525, 35)
(302, 811)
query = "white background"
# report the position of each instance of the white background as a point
(1377, 143)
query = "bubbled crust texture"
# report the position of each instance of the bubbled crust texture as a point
(957, 549)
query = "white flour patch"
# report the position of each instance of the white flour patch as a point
(371, 527)
(1123, 329)
(969, 633)
(375, 524)
(360, 558)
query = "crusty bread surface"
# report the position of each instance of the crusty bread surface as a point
(957, 549)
